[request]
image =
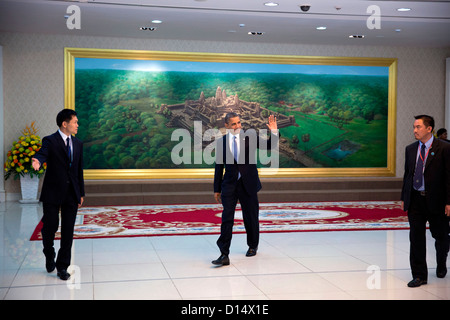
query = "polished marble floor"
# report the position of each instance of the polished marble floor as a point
(339, 265)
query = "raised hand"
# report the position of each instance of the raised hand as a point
(272, 125)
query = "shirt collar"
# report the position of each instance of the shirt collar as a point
(428, 143)
(63, 135)
(231, 136)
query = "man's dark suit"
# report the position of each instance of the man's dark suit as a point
(62, 189)
(243, 190)
(428, 206)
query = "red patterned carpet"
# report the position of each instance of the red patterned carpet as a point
(163, 220)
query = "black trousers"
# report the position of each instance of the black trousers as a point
(50, 220)
(250, 213)
(418, 215)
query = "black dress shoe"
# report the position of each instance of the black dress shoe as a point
(63, 274)
(50, 264)
(441, 271)
(223, 260)
(414, 283)
(251, 252)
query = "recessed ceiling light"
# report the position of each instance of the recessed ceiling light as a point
(357, 36)
(321, 28)
(255, 33)
(271, 4)
(156, 21)
(403, 9)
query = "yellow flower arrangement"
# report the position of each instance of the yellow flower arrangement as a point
(18, 159)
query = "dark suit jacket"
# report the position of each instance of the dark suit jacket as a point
(246, 165)
(59, 174)
(436, 175)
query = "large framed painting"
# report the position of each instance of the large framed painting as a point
(152, 114)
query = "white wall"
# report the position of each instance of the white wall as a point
(34, 77)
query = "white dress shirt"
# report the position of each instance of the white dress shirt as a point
(64, 137)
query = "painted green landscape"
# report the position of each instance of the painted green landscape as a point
(341, 119)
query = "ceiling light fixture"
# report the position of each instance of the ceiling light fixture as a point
(321, 28)
(403, 9)
(357, 36)
(271, 4)
(255, 33)
(156, 21)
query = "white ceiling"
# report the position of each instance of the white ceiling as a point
(426, 25)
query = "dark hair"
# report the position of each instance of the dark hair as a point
(441, 131)
(427, 120)
(230, 115)
(65, 115)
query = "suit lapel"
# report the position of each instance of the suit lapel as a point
(227, 145)
(244, 151)
(432, 152)
(227, 155)
(413, 156)
(63, 148)
(76, 149)
(60, 142)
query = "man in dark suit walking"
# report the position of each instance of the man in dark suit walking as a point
(426, 197)
(63, 189)
(239, 183)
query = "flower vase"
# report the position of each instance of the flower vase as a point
(29, 187)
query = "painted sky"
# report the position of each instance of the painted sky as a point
(218, 67)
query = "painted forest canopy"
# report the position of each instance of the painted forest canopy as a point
(340, 119)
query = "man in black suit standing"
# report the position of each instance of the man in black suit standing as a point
(63, 189)
(239, 183)
(426, 197)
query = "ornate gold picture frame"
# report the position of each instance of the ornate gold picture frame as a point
(336, 113)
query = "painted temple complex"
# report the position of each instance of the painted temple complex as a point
(211, 112)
